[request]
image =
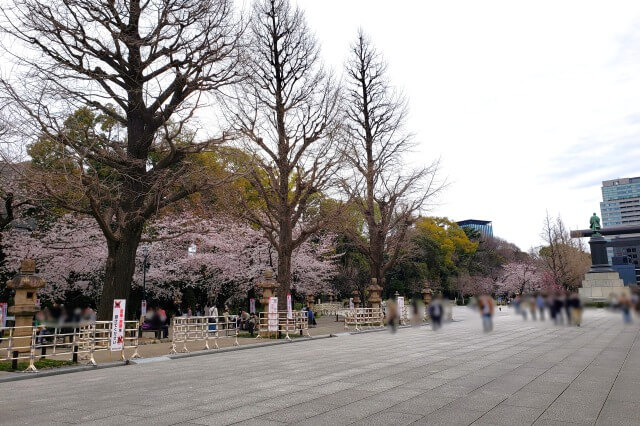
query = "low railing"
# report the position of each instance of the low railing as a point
(275, 324)
(64, 341)
(202, 328)
(363, 317)
(327, 308)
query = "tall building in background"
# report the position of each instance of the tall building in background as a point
(485, 227)
(620, 202)
(620, 207)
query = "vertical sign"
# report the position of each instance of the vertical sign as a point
(117, 327)
(289, 308)
(143, 308)
(351, 303)
(401, 307)
(252, 306)
(3, 314)
(272, 321)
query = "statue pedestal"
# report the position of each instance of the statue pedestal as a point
(600, 286)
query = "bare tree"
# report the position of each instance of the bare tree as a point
(286, 112)
(142, 65)
(386, 194)
(565, 259)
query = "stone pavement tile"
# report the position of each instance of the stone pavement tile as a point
(348, 413)
(450, 417)
(219, 401)
(388, 418)
(479, 400)
(284, 401)
(508, 415)
(584, 396)
(541, 386)
(471, 381)
(171, 418)
(451, 373)
(113, 420)
(624, 394)
(558, 377)
(620, 409)
(423, 404)
(232, 416)
(381, 384)
(572, 412)
(298, 412)
(449, 390)
(26, 418)
(526, 370)
(344, 397)
(425, 383)
(525, 398)
(618, 421)
(549, 422)
(258, 422)
(329, 388)
(148, 411)
(398, 394)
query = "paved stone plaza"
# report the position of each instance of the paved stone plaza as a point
(522, 373)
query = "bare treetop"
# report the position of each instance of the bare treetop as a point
(122, 57)
(286, 111)
(387, 193)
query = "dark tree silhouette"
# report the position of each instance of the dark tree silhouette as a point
(144, 67)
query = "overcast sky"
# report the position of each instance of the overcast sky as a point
(530, 106)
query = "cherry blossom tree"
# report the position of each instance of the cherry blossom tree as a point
(520, 277)
(231, 257)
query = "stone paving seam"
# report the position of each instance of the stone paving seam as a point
(426, 391)
(617, 375)
(523, 386)
(524, 350)
(569, 384)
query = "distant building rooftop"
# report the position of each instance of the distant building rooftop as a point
(485, 227)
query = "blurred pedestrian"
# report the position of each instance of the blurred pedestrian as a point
(625, 305)
(558, 304)
(531, 302)
(575, 306)
(541, 306)
(392, 315)
(485, 304)
(435, 313)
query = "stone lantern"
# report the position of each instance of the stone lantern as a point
(310, 300)
(26, 285)
(268, 286)
(426, 295)
(356, 298)
(374, 294)
(426, 298)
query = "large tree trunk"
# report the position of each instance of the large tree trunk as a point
(284, 264)
(376, 253)
(284, 279)
(121, 262)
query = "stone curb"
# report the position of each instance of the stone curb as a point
(80, 368)
(245, 347)
(62, 370)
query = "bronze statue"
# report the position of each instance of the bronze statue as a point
(594, 223)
